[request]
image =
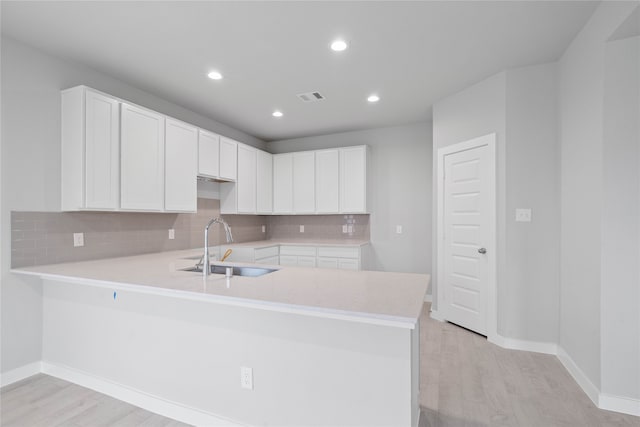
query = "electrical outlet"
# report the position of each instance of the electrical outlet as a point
(523, 215)
(246, 378)
(264, 228)
(172, 234)
(78, 239)
(350, 228)
(398, 229)
(345, 228)
(302, 228)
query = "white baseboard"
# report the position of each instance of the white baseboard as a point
(583, 381)
(437, 316)
(138, 398)
(524, 345)
(625, 405)
(20, 373)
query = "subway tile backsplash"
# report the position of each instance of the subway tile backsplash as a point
(47, 237)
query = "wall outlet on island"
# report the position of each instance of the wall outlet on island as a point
(246, 378)
(172, 234)
(78, 239)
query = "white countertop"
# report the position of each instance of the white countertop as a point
(393, 299)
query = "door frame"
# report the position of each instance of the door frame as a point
(492, 300)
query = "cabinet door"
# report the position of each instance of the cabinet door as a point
(348, 264)
(353, 182)
(142, 159)
(246, 182)
(181, 155)
(304, 179)
(283, 183)
(290, 260)
(306, 261)
(208, 154)
(327, 181)
(327, 262)
(228, 159)
(264, 183)
(102, 151)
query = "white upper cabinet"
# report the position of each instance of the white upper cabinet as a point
(90, 150)
(283, 183)
(264, 183)
(141, 159)
(304, 192)
(208, 154)
(228, 159)
(353, 179)
(327, 181)
(181, 167)
(246, 182)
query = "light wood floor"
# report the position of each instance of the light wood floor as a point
(46, 401)
(465, 382)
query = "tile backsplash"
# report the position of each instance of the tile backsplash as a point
(318, 227)
(47, 237)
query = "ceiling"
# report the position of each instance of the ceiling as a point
(410, 53)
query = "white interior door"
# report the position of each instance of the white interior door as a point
(467, 235)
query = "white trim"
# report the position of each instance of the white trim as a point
(18, 374)
(436, 315)
(138, 398)
(524, 345)
(492, 304)
(428, 298)
(583, 381)
(625, 405)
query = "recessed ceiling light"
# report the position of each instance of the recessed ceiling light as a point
(277, 113)
(338, 45)
(214, 75)
(373, 98)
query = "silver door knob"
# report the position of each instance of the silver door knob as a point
(482, 251)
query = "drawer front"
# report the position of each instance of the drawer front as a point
(339, 252)
(324, 262)
(291, 260)
(348, 264)
(298, 250)
(272, 260)
(266, 252)
(306, 261)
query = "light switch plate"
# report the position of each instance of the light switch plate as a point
(523, 215)
(344, 228)
(264, 228)
(398, 229)
(302, 228)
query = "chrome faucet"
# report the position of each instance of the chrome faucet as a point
(206, 265)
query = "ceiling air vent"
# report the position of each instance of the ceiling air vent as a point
(311, 96)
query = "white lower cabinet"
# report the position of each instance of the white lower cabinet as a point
(300, 256)
(344, 258)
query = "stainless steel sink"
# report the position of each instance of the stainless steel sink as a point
(237, 271)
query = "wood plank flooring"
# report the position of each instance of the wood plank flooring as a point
(465, 382)
(46, 401)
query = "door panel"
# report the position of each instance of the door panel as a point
(467, 215)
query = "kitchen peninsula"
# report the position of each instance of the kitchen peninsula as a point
(325, 346)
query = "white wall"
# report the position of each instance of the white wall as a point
(581, 139)
(400, 181)
(518, 105)
(620, 287)
(31, 84)
(306, 370)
